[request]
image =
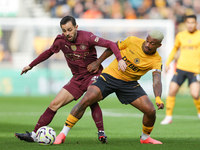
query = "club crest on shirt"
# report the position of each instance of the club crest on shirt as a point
(136, 60)
(73, 47)
(83, 46)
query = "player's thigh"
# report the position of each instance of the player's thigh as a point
(61, 99)
(194, 89)
(144, 104)
(92, 96)
(173, 88)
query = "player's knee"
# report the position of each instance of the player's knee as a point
(172, 92)
(89, 99)
(84, 103)
(195, 95)
(151, 112)
(54, 105)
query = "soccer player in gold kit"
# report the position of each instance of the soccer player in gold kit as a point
(140, 56)
(188, 66)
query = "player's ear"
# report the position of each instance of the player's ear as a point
(160, 45)
(76, 27)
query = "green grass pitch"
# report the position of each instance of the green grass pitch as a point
(122, 123)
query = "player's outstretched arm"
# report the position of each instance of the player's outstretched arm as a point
(157, 88)
(94, 66)
(26, 69)
(43, 56)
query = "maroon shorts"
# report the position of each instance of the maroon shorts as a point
(78, 87)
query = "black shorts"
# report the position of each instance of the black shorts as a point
(180, 76)
(126, 92)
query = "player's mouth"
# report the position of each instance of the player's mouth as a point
(69, 38)
(146, 49)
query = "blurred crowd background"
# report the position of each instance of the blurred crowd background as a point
(174, 10)
(39, 25)
(124, 9)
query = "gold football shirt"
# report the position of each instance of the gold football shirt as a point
(189, 44)
(138, 63)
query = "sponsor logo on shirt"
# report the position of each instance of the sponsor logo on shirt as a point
(130, 65)
(73, 56)
(189, 47)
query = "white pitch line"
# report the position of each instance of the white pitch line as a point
(106, 112)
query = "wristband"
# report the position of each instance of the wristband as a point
(158, 100)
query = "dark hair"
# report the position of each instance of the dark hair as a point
(66, 19)
(190, 16)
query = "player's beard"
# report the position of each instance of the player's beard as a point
(192, 30)
(145, 49)
(73, 38)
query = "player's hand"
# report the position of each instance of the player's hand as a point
(26, 69)
(160, 106)
(167, 68)
(94, 66)
(159, 103)
(122, 65)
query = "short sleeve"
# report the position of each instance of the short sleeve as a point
(157, 66)
(123, 44)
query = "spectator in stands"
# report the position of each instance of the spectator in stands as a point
(78, 10)
(92, 11)
(128, 9)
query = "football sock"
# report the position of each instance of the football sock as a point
(144, 136)
(33, 135)
(65, 130)
(146, 132)
(170, 102)
(197, 104)
(97, 116)
(45, 119)
(71, 121)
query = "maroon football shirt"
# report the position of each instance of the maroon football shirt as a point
(79, 53)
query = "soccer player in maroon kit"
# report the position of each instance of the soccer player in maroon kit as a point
(79, 50)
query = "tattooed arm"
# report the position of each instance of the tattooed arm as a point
(157, 88)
